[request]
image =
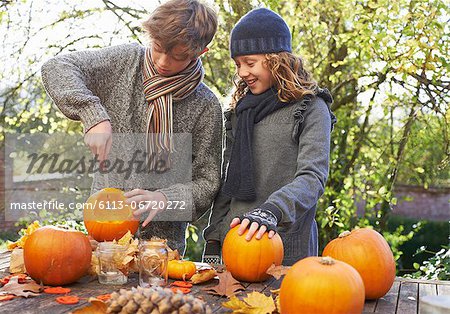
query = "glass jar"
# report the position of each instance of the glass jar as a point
(110, 256)
(153, 260)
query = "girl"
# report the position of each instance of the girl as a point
(277, 142)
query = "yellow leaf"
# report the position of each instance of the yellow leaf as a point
(126, 239)
(26, 232)
(96, 307)
(277, 303)
(260, 303)
(235, 304)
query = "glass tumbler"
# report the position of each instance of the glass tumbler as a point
(153, 260)
(110, 256)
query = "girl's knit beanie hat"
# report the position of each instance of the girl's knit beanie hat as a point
(260, 31)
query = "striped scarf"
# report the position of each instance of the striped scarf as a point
(159, 92)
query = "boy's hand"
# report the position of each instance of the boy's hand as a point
(99, 139)
(258, 223)
(153, 202)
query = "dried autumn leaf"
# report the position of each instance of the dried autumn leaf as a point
(125, 239)
(96, 307)
(236, 305)
(16, 264)
(173, 254)
(260, 303)
(203, 275)
(277, 303)
(94, 270)
(277, 271)
(227, 286)
(29, 289)
(254, 303)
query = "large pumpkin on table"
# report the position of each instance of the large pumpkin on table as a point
(249, 260)
(321, 285)
(369, 253)
(56, 256)
(107, 217)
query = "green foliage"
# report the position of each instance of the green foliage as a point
(435, 268)
(194, 244)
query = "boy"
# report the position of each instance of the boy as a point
(155, 90)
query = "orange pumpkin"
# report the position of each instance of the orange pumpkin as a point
(369, 253)
(321, 285)
(249, 260)
(56, 256)
(181, 270)
(107, 217)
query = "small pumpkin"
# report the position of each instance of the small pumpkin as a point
(321, 285)
(249, 260)
(107, 217)
(56, 256)
(369, 253)
(181, 270)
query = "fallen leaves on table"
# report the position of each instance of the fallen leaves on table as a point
(203, 275)
(7, 297)
(16, 262)
(26, 233)
(28, 289)
(57, 290)
(277, 271)
(96, 307)
(277, 303)
(103, 297)
(125, 262)
(21, 278)
(260, 302)
(236, 304)
(254, 303)
(227, 286)
(68, 299)
(181, 284)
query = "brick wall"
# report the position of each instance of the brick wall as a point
(417, 202)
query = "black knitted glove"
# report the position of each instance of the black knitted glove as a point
(264, 217)
(212, 252)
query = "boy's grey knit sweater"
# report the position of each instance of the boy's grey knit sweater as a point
(291, 149)
(106, 84)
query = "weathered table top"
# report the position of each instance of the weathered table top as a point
(403, 298)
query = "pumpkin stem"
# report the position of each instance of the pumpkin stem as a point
(344, 234)
(327, 260)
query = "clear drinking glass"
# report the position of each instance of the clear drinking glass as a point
(153, 260)
(110, 256)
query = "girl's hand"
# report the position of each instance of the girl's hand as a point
(153, 202)
(253, 228)
(99, 139)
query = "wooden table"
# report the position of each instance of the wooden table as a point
(403, 298)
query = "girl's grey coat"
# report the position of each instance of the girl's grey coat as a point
(291, 150)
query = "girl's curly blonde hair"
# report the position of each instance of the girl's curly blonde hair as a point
(292, 80)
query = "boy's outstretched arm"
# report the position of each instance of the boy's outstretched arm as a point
(75, 83)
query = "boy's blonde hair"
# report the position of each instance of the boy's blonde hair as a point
(292, 80)
(187, 22)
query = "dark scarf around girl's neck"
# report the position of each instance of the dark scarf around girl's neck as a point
(250, 109)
